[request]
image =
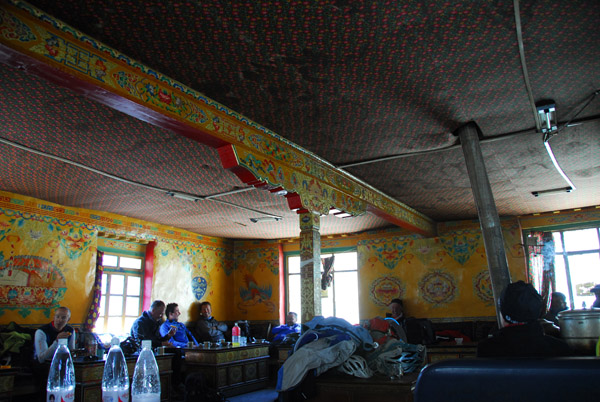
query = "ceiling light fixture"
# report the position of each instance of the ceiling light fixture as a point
(546, 115)
(183, 196)
(552, 191)
(339, 213)
(548, 126)
(266, 219)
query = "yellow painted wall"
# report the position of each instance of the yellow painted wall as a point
(549, 220)
(189, 273)
(256, 280)
(55, 248)
(441, 277)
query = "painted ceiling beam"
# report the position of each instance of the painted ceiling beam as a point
(42, 45)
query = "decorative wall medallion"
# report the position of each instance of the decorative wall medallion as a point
(438, 287)
(461, 246)
(386, 288)
(199, 286)
(482, 286)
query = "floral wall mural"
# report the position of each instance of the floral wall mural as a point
(48, 257)
(45, 262)
(256, 280)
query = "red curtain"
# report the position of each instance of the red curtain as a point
(540, 259)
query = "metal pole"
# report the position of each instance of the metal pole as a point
(486, 208)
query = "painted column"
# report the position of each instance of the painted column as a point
(310, 265)
(486, 209)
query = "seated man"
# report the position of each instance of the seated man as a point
(207, 328)
(558, 303)
(397, 313)
(291, 326)
(596, 291)
(182, 335)
(46, 338)
(147, 326)
(521, 334)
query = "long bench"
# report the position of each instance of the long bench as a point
(524, 379)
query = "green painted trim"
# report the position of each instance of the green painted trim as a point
(566, 226)
(117, 251)
(113, 270)
(325, 251)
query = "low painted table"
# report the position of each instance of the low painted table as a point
(88, 377)
(450, 350)
(334, 386)
(231, 370)
(7, 382)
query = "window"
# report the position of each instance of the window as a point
(340, 299)
(121, 300)
(577, 264)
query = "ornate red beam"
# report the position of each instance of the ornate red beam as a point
(45, 46)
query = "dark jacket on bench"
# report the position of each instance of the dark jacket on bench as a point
(527, 340)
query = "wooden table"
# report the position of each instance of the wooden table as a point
(450, 350)
(7, 382)
(333, 386)
(88, 377)
(233, 370)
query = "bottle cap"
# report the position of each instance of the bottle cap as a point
(115, 341)
(63, 341)
(147, 344)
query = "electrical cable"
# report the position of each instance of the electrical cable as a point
(456, 146)
(176, 194)
(524, 64)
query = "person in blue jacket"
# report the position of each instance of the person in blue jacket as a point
(291, 326)
(182, 335)
(147, 326)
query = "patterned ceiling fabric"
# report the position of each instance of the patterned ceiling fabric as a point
(349, 80)
(355, 79)
(515, 166)
(52, 119)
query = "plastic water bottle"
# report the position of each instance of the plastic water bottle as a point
(146, 381)
(61, 377)
(235, 335)
(115, 380)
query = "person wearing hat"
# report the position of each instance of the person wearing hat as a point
(596, 290)
(521, 334)
(558, 303)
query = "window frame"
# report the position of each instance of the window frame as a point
(566, 254)
(324, 254)
(127, 273)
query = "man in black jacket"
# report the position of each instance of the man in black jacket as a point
(46, 338)
(521, 334)
(147, 326)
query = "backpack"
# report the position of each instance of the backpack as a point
(420, 331)
(197, 390)
(383, 329)
(245, 329)
(130, 346)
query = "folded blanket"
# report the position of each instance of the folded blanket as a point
(13, 341)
